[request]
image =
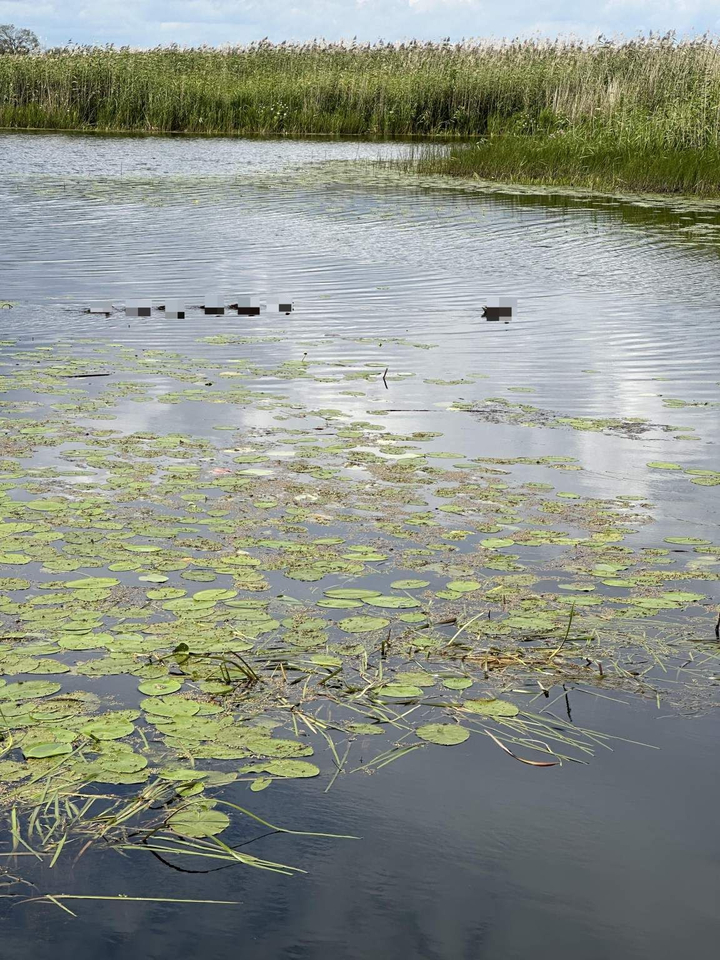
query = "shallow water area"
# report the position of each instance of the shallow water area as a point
(529, 508)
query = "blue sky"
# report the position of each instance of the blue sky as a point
(192, 22)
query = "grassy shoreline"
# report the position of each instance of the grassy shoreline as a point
(601, 167)
(638, 115)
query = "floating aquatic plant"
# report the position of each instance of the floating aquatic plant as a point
(258, 647)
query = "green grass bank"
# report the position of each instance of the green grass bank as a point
(603, 164)
(640, 114)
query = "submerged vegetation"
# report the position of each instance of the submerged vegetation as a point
(622, 115)
(184, 615)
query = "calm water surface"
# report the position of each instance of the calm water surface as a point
(471, 855)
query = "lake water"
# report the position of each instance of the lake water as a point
(463, 852)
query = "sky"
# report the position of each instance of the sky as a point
(146, 23)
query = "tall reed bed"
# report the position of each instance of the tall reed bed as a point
(654, 92)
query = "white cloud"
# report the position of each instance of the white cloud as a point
(147, 22)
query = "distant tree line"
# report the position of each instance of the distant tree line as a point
(17, 39)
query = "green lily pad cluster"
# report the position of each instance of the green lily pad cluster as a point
(259, 593)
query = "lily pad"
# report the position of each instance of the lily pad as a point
(122, 762)
(11, 771)
(683, 596)
(392, 603)
(405, 691)
(182, 774)
(108, 729)
(11, 529)
(284, 768)
(691, 541)
(29, 689)
(362, 624)
(169, 707)
(445, 734)
(213, 594)
(413, 617)
(491, 707)
(457, 683)
(338, 604)
(260, 745)
(166, 593)
(43, 750)
(199, 820)
(464, 586)
(216, 688)
(369, 729)
(157, 688)
(199, 576)
(417, 678)
(262, 783)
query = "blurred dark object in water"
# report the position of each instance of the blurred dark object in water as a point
(497, 313)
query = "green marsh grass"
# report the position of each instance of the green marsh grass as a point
(614, 114)
(570, 160)
(645, 91)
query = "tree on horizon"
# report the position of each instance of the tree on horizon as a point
(17, 39)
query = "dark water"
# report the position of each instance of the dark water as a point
(481, 858)
(472, 855)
